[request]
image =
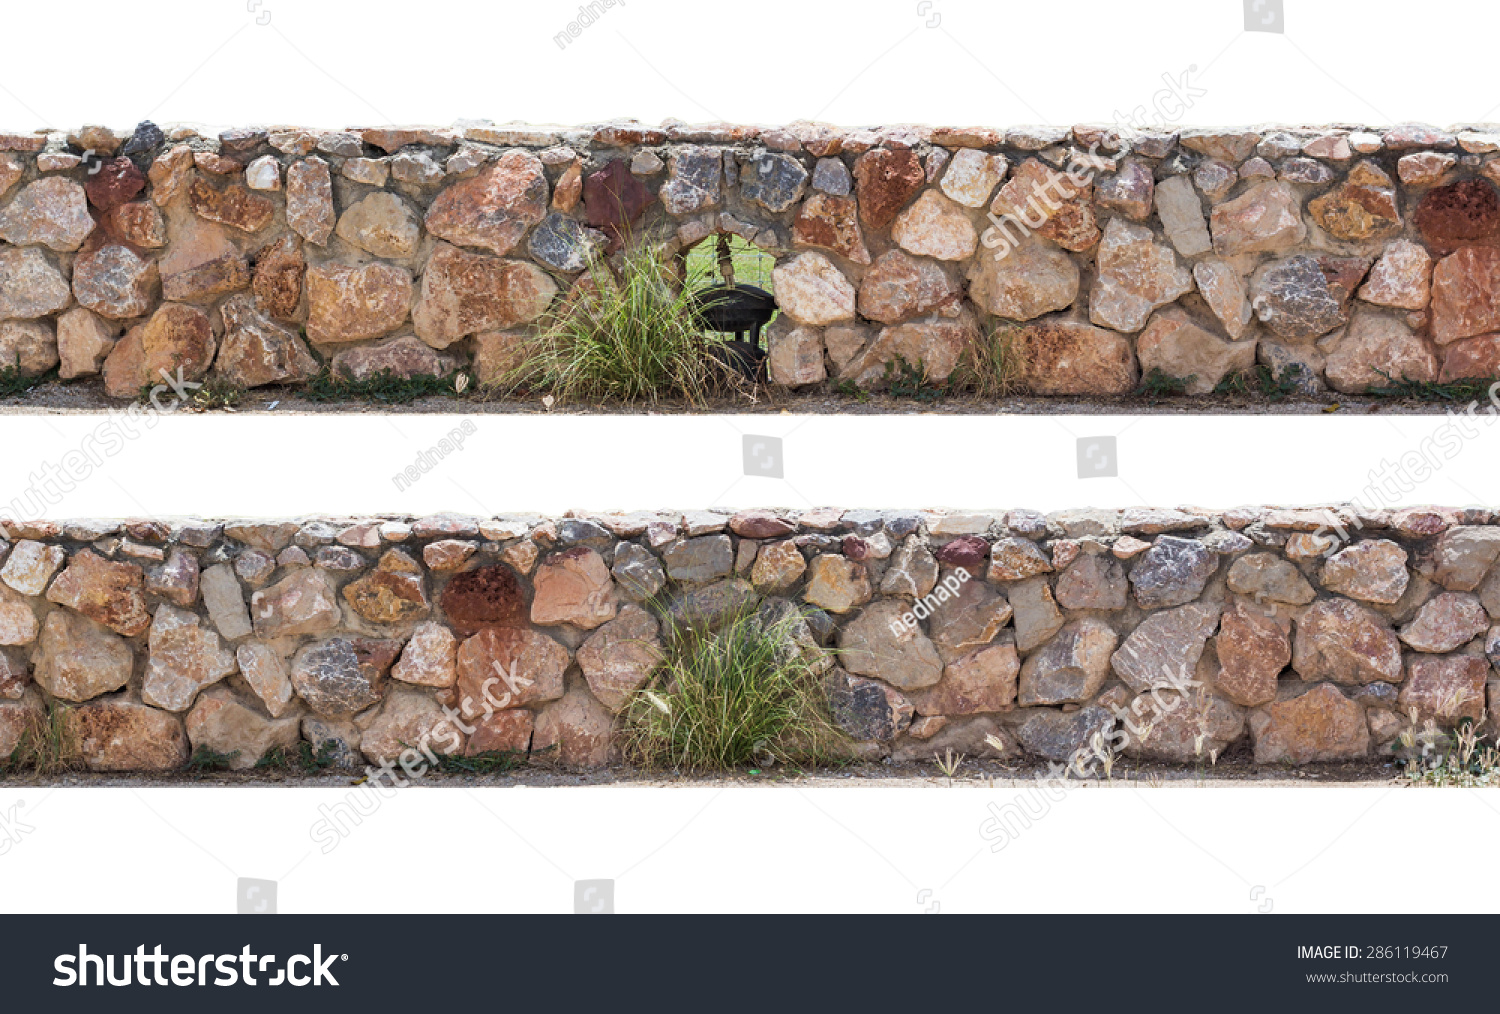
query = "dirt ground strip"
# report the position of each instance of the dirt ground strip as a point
(67, 399)
(972, 775)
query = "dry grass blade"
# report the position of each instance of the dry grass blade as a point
(629, 334)
(1447, 757)
(993, 367)
(741, 694)
(948, 763)
(46, 746)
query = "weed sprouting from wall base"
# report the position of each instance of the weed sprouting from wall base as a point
(383, 386)
(1157, 384)
(631, 334)
(46, 746)
(742, 693)
(994, 366)
(1458, 391)
(206, 759)
(14, 383)
(1263, 381)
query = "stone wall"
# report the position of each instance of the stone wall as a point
(1356, 253)
(1291, 635)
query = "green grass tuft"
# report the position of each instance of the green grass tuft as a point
(1157, 384)
(905, 380)
(743, 694)
(490, 763)
(216, 393)
(1262, 381)
(1459, 391)
(14, 383)
(301, 759)
(45, 746)
(204, 759)
(994, 367)
(852, 390)
(636, 337)
(385, 387)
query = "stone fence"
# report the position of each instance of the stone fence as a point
(1182, 635)
(1096, 257)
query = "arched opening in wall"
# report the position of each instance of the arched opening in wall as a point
(732, 286)
(750, 265)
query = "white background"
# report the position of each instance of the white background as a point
(854, 848)
(998, 62)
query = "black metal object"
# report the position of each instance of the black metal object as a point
(741, 310)
(749, 361)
